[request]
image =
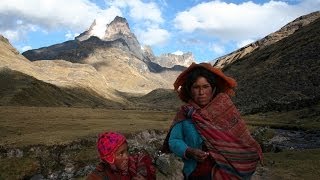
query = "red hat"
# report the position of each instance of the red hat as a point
(107, 145)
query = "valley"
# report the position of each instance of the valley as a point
(59, 142)
(55, 100)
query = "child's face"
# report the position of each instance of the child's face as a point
(121, 160)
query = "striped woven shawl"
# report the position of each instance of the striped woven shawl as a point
(226, 136)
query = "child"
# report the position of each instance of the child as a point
(116, 162)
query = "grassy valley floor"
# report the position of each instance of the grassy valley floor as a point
(49, 131)
(22, 126)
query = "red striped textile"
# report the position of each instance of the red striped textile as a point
(139, 164)
(224, 131)
(142, 164)
(226, 136)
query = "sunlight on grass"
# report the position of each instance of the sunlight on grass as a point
(44, 125)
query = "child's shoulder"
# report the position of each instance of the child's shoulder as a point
(99, 173)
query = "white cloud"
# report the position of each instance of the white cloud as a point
(153, 36)
(17, 33)
(49, 15)
(147, 19)
(18, 18)
(163, 3)
(218, 49)
(145, 11)
(140, 11)
(244, 43)
(26, 48)
(228, 21)
(178, 53)
(11, 35)
(207, 22)
(100, 28)
(70, 35)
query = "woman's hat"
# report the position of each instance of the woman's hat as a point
(224, 83)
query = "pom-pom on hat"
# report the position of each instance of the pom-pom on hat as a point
(107, 145)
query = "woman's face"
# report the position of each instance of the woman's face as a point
(122, 156)
(201, 91)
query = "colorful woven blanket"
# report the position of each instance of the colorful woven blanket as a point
(235, 152)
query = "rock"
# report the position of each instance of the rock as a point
(37, 177)
(15, 153)
(170, 166)
(69, 168)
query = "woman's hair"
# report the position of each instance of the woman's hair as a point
(217, 79)
(192, 77)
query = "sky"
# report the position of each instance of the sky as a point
(207, 29)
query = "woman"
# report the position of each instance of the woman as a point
(208, 132)
(117, 164)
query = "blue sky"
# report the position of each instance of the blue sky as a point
(208, 29)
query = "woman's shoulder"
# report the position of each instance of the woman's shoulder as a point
(185, 122)
(223, 97)
(185, 125)
(222, 94)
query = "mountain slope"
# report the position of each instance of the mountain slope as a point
(59, 73)
(18, 89)
(281, 76)
(158, 99)
(284, 32)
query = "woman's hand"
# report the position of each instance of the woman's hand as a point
(196, 154)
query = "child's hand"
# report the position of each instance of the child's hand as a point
(138, 177)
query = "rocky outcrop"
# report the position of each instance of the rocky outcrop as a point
(272, 38)
(117, 29)
(77, 159)
(171, 60)
(88, 33)
(148, 53)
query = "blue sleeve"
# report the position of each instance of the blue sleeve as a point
(176, 142)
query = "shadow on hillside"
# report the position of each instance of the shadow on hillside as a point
(18, 89)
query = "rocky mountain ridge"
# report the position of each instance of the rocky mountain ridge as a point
(118, 29)
(272, 38)
(282, 76)
(117, 56)
(186, 59)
